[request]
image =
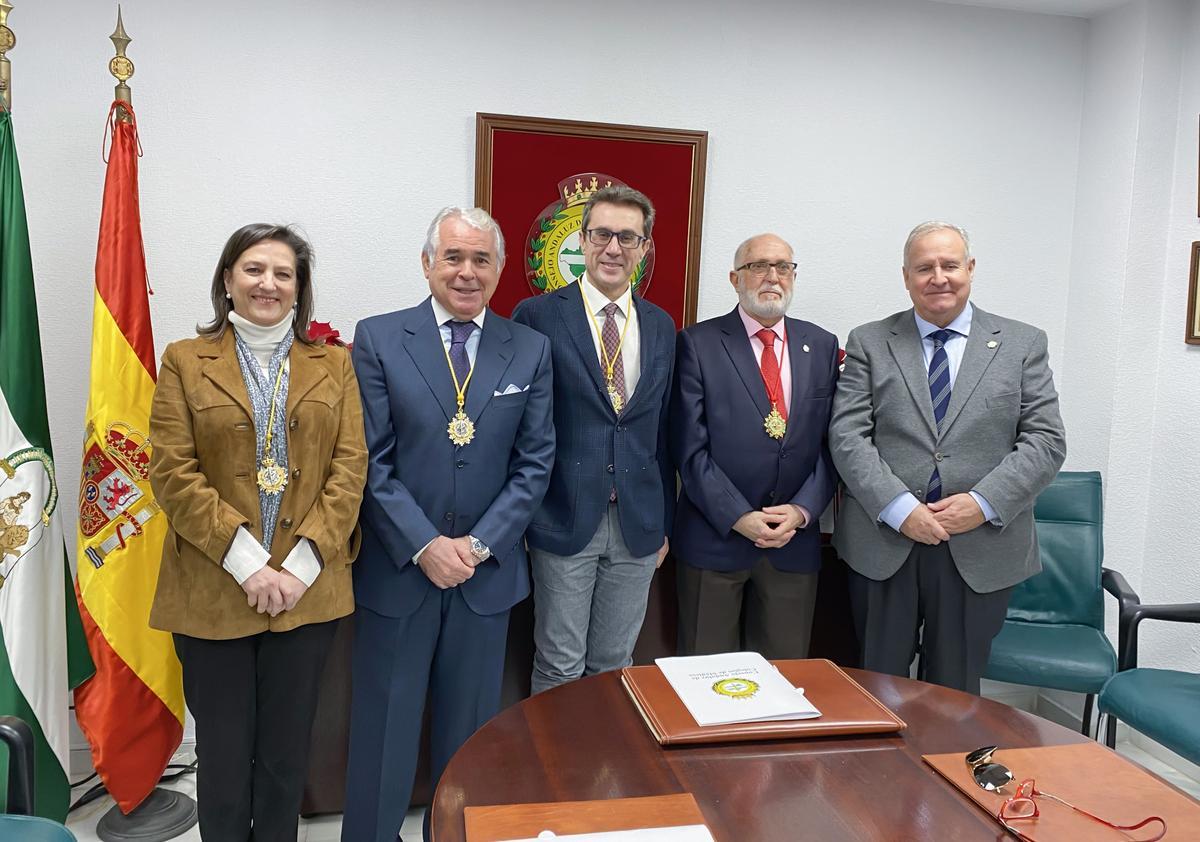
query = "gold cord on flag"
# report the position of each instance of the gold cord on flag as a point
(614, 395)
(461, 429)
(272, 478)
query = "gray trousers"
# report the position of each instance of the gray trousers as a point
(762, 610)
(588, 607)
(927, 595)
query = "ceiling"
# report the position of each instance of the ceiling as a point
(1074, 8)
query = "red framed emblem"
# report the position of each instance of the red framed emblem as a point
(534, 175)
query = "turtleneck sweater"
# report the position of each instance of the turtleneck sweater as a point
(246, 556)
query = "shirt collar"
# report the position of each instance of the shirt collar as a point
(960, 325)
(441, 315)
(596, 300)
(753, 326)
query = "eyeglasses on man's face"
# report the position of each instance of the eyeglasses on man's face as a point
(760, 268)
(625, 239)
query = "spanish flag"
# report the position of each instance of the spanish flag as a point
(132, 710)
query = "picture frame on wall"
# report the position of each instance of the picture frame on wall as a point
(1192, 336)
(534, 175)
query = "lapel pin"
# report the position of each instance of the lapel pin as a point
(805, 347)
(993, 344)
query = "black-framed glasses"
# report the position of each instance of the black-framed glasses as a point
(1022, 804)
(625, 239)
(760, 268)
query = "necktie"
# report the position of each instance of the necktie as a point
(460, 332)
(769, 367)
(939, 393)
(611, 338)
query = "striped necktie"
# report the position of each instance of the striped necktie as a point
(939, 392)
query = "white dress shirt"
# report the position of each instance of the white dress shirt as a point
(631, 348)
(441, 315)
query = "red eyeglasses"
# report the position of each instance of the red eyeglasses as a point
(1022, 805)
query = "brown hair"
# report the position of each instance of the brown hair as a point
(244, 238)
(619, 194)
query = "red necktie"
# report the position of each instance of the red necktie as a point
(769, 366)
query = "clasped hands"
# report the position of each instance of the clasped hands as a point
(273, 591)
(448, 562)
(932, 523)
(772, 527)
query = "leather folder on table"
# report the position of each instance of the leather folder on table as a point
(516, 821)
(846, 708)
(1087, 775)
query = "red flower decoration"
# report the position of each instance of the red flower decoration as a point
(841, 359)
(324, 332)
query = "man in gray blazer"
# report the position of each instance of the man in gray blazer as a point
(945, 428)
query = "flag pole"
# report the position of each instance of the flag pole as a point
(8, 40)
(120, 66)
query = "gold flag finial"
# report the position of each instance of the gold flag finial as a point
(7, 41)
(120, 66)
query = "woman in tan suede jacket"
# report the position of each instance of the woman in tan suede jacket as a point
(259, 463)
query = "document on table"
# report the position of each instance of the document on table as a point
(688, 833)
(734, 687)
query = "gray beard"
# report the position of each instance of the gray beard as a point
(763, 309)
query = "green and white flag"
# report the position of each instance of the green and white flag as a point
(42, 649)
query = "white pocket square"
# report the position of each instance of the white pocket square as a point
(510, 389)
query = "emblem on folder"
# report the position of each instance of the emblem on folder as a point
(554, 254)
(735, 688)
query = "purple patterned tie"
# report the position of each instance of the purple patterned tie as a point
(612, 344)
(460, 332)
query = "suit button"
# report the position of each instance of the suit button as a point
(448, 516)
(460, 464)
(609, 469)
(293, 424)
(286, 523)
(937, 457)
(918, 492)
(771, 496)
(783, 454)
(295, 473)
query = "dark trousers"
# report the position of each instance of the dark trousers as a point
(253, 699)
(762, 610)
(444, 649)
(927, 590)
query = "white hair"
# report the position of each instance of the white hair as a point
(477, 218)
(936, 225)
(739, 254)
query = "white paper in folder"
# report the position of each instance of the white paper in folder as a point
(688, 833)
(734, 687)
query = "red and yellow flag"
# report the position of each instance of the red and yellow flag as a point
(132, 710)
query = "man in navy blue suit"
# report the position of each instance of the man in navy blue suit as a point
(457, 404)
(602, 530)
(750, 409)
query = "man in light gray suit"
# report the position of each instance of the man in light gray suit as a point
(945, 428)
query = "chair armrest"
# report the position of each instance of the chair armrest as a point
(1127, 600)
(1183, 612)
(17, 736)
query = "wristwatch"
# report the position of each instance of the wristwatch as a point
(479, 550)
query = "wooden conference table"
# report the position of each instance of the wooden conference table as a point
(586, 741)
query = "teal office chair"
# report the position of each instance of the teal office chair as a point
(18, 824)
(1053, 635)
(1162, 704)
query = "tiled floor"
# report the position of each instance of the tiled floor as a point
(328, 828)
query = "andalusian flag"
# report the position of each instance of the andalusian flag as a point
(42, 653)
(132, 710)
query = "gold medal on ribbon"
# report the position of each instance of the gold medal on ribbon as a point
(610, 364)
(774, 424)
(618, 402)
(461, 428)
(272, 478)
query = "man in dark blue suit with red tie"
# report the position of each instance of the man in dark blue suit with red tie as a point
(457, 405)
(750, 409)
(602, 530)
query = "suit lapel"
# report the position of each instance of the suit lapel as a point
(801, 363)
(572, 310)
(905, 345)
(737, 345)
(302, 378)
(423, 342)
(224, 372)
(982, 345)
(491, 361)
